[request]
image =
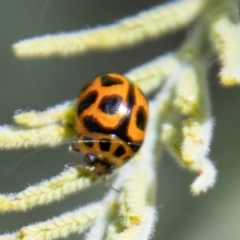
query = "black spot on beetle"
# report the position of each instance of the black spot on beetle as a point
(119, 151)
(141, 118)
(110, 104)
(88, 141)
(135, 146)
(92, 124)
(107, 81)
(87, 101)
(104, 145)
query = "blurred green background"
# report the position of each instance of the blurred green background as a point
(37, 84)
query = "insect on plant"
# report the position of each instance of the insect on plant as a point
(112, 122)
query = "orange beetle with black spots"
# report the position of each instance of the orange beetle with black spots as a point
(111, 119)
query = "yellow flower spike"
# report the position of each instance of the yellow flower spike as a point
(61, 112)
(171, 136)
(197, 128)
(141, 231)
(191, 149)
(137, 192)
(187, 89)
(5, 203)
(196, 140)
(192, 139)
(169, 119)
(132, 199)
(51, 135)
(96, 231)
(69, 181)
(11, 236)
(225, 37)
(147, 24)
(207, 176)
(109, 212)
(62, 226)
(188, 140)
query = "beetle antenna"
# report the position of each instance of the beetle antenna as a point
(19, 162)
